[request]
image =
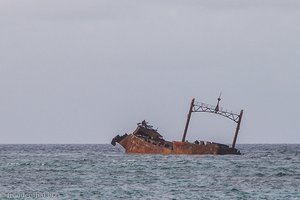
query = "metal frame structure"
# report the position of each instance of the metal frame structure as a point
(202, 107)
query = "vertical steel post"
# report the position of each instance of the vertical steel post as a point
(237, 129)
(188, 120)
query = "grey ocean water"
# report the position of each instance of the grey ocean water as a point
(105, 172)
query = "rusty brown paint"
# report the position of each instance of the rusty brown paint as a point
(135, 145)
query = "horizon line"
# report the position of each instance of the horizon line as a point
(110, 144)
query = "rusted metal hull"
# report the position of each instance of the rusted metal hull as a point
(136, 145)
(146, 140)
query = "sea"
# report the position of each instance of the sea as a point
(102, 171)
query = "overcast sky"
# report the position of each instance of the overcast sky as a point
(82, 71)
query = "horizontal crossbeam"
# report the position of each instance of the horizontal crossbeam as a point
(203, 107)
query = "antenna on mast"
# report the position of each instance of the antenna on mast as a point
(219, 99)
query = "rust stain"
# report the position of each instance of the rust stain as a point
(137, 144)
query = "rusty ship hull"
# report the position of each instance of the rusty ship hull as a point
(136, 144)
(146, 140)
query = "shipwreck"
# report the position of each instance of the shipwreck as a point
(146, 140)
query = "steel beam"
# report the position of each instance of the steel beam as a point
(237, 129)
(188, 120)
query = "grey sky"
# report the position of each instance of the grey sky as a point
(83, 71)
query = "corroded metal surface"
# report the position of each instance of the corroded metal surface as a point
(136, 145)
(146, 140)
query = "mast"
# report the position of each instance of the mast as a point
(188, 120)
(202, 107)
(237, 129)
